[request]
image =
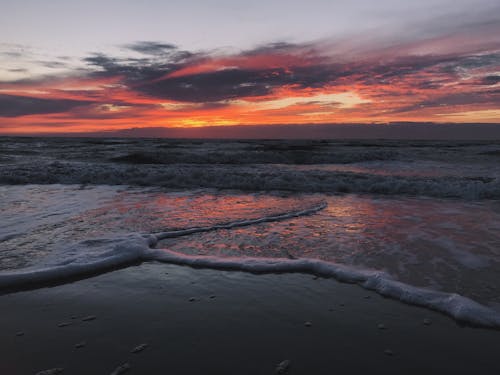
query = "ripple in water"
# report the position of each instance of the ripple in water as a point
(450, 245)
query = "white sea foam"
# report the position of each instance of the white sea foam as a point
(86, 242)
(91, 256)
(123, 252)
(136, 248)
(241, 223)
(458, 307)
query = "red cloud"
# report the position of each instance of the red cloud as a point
(433, 80)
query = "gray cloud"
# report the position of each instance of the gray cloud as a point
(455, 99)
(17, 70)
(150, 75)
(13, 106)
(151, 48)
(52, 64)
(299, 65)
(216, 86)
(490, 80)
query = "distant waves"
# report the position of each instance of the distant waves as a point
(466, 170)
(247, 178)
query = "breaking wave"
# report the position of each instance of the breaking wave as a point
(252, 178)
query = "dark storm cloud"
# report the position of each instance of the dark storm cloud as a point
(101, 60)
(490, 80)
(317, 76)
(131, 70)
(13, 106)
(479, 60)
(150, 75)
(302, 66)
(155, 54)
(215, 86)
(147, 76)
(160, 59)
(237, 83)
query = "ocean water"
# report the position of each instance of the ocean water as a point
(415, 221)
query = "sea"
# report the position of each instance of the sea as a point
(417, 221)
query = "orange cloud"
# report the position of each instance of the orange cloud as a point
(278, 84)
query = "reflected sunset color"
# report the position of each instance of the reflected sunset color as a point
(106, 213)
(420, 241)
(250, 186)
(423, 242)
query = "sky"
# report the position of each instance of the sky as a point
(96, 66)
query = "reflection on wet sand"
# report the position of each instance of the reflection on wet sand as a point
(445, 244)
(427, 242)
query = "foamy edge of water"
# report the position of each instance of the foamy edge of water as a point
(137, 248)
(460, 308)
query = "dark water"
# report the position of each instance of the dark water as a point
(425, 213)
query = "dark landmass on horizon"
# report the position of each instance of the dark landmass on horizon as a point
(395, 130)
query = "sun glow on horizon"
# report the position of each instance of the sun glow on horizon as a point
(279, 83)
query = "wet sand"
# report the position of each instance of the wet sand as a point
(197, 321)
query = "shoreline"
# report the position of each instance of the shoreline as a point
(209, 321)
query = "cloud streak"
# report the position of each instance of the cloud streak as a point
(158, 84)
(16, 106)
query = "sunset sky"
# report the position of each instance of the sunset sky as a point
(74, 66)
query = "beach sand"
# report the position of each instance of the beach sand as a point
(198, 321)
